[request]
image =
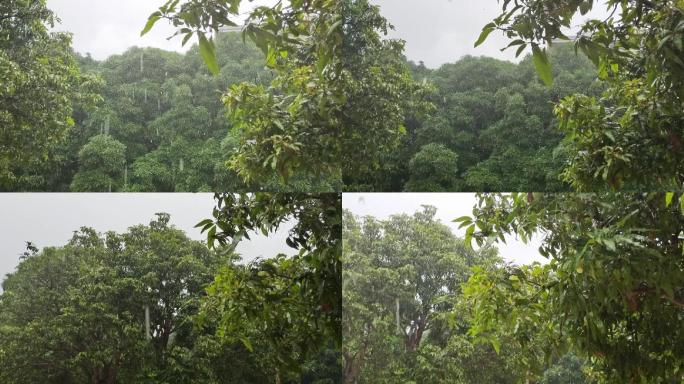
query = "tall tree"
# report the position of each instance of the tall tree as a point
(40, 85)
(613, 288)
(632, 135)
(101, 165)
(292, 304)
(379, 94)
(401, 279)
(116, 308)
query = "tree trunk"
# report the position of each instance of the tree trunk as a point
(353, 364)
(397, 313)
(352, 367)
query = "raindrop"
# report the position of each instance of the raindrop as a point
(148, 335)
(106, 125)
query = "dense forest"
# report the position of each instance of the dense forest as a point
(599, 110)
(421, 305)
(312, 96)
(317, 98)
(402, 286)
(159, 125)
(150, 305)
(149, 120)
(491, 128)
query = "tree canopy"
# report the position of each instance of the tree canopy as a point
(631, 135)
(405, 317)
(41, 85)
(613, 287)
(147, 305)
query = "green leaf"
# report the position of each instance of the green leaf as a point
(542, 64)
(203, 223)
(668, 198)
(469, 235)
(520, 50)
(485, 32)
(610, 244)
(150, 22)
(497, 345)
(208, 54)
(186, 38)
(462, 219)
(247, 344)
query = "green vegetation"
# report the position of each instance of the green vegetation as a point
(613, 289)
(318, 99)
(291, 126)
(631, 136)
(41, 88)
(492, 130)
(607, 116)
(406, 318)
(165, 109)
(152, 306)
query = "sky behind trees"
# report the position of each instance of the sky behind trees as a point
(449, 206)
(435, 31)
(50, 220)
(107, 31)
(442, 31)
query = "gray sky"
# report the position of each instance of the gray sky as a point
(435, 31)
(442, 31)
(49, 219)
(105, 27)
(449, 207)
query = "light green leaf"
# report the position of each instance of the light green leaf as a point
(150, 22)
(247, 344)
(542, 64)
(668, 198)
(497, 345)
(208, 54)
(485, 32)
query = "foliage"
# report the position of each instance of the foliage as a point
(379, 94)
(497, 117)
(40, 85)
(292, 304)
(568, 370)
(433, 168)
(631, 136)
(291, 126)
(101, 162)
(78, 314)
(164, 107)
(401, 280)
(613, 288)
(315, 118)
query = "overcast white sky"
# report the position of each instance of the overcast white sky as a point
(442, 31)
(105, 27)
(49, 219)
(435, 31)
(449, 207)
